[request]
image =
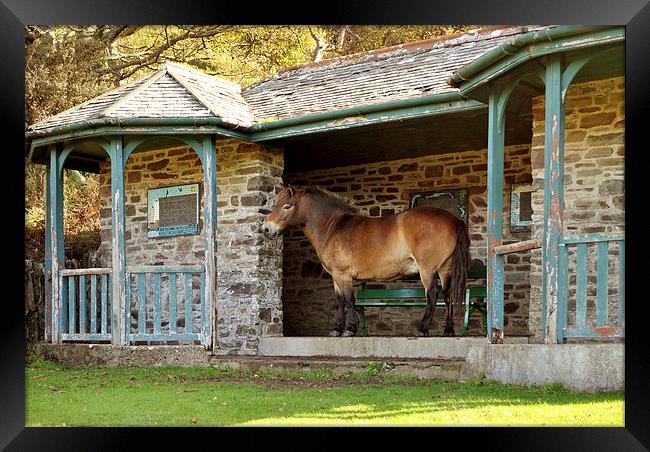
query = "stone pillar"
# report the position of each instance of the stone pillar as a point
(249, 266)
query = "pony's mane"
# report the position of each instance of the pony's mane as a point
(330, 199)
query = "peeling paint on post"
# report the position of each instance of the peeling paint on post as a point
(553, 196)
(48, 258)
(495, 263)
(120, 330)
(56, 241)
(209, 222)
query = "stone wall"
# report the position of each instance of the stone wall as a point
(593, 183)
(248, 267)
(386, 188)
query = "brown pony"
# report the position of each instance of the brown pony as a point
(352, 246)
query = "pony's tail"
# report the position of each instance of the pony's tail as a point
(461, 263)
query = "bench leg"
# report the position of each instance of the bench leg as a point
(467, 314)
(362, 320)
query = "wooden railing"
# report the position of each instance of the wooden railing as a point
(598, 326)
(158, 281)
(85, 304)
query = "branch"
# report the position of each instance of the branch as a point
(156, 53)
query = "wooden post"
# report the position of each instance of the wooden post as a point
(56, 241)
(496, 143)
(120, 330)
(553, 196)
(209, 223)
(48, 258)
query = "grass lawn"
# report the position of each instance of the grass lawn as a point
(56, 396)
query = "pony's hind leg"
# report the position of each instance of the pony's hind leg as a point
(429, 283)
(445, 277)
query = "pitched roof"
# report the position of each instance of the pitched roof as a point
(174, 91)
(383, 75)
(404, 71)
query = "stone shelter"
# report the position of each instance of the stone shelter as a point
(521, 126)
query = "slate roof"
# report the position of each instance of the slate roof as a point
(383, 75)
(174, 91)
(394, 73)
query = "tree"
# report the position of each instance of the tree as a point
(67, 65)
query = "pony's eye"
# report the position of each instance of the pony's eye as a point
(287, 207)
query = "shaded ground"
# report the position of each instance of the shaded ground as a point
(210, 397)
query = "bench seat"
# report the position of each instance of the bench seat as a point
(475, 297)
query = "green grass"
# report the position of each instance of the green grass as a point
(57, 396)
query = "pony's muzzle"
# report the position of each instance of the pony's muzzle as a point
(270, 229)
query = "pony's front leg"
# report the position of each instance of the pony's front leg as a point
(345, 299)
(338, 317)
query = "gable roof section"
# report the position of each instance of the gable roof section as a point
(396, 73)
(173, 91)
(406, 72)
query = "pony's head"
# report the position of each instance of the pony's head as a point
(286, 212)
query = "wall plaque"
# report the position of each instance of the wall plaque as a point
(454, 201)
(521, 208)
(173, 211)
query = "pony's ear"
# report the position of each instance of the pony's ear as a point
(291, 190)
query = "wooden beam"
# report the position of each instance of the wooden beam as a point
(553, 196)
(208, 326)
(48, 257)
(367, 119)
(120, 329)
(517, 247)
(56, 242)
(495, 262)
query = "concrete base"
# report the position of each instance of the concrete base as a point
(448, 370)
(374, 347)
(107, 355)
(579, 367)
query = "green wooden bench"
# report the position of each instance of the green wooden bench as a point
(475, 298)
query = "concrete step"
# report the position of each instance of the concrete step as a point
(443, 369)
(373, 347)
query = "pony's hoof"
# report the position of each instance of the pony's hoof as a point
(348, 333)
(335, 333)
(448, 332)
(423, 333)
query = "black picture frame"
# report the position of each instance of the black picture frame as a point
(517, 224)
(453, 200)
(635, 14)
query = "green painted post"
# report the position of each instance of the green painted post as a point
(495, 263)
(142, 308)
(104, 310)
(210, 224)
(601, 283)
(173, 328)
(563, 296)
(118, 318)
(621, 283)
(157, 311)
(82, 304)
(93, 304)
(553, 195)
(72, 298)
(188, 301)
(48, 257)
(56, 241)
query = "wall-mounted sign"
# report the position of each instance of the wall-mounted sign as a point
(173, 211)
(521, 208)
(454, 201)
